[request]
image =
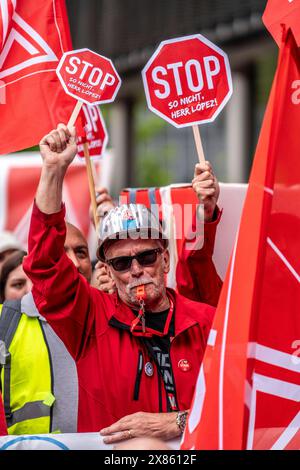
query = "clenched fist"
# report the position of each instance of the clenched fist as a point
(58, 148)
(102, 280)
(206, 186)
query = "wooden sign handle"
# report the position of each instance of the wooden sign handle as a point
(74, 114)
(89, 170)
(198, 143)
(91, 183)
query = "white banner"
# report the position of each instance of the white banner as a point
(84, 441)
(78, 441)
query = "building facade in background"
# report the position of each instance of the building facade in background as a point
(148, 151)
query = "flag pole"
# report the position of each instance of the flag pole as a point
(89, 170)
(198, 144)
(91, 183)
(74, 114)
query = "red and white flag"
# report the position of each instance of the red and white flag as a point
(248, 389)
(33, 37)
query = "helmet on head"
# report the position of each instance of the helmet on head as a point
(133, 221)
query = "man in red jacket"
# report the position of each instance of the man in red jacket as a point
(138, 351)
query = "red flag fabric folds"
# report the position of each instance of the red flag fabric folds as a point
(33, 37)
(279, 13)
(248, 390)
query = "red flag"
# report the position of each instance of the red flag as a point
(33, 37)
(248, 390)
(3, 428)
(282, 12)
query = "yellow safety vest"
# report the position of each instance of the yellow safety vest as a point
(26, 378)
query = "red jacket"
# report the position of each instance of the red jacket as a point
(95, 328)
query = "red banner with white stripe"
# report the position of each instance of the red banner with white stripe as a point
(248, 390)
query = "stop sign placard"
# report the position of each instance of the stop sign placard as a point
(96, 134)
(187, 81)
(88, 77)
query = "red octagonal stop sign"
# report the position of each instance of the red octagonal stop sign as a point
(88, 77)
(187, 81)
(95, 133)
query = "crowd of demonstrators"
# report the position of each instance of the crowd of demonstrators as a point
(136, 358)
(44, 391)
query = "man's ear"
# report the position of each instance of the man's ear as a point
(166, 257)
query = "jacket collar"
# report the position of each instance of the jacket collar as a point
(183, 318)
(123, 315)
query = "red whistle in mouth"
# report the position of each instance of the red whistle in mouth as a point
(140, 292)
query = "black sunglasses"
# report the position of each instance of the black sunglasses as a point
(145, 258)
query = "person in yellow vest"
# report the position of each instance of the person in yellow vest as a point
(38, 376)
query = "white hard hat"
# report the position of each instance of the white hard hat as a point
(129, 221)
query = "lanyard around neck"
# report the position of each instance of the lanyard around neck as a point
(138, 329)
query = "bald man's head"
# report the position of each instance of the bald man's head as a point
(77, 250)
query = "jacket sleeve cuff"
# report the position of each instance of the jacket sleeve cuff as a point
(216, 218)
(209, 227)
(204, 238)
(49, 219)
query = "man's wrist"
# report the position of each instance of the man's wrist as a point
(206, 216)
(49, 191)
(209, 216)
(55, 169)
(181, 419)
